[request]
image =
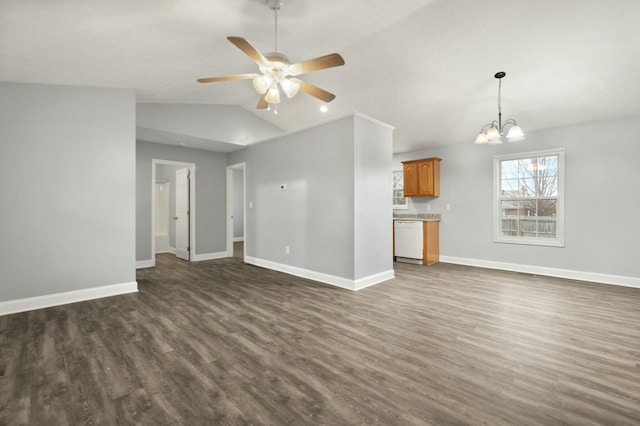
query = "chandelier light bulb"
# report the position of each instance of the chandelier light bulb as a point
(481, 139)
(515, 134)
(493, 133)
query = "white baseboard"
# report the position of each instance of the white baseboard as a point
(238, 239)
(552, 272)
(49, 300)
(145, 263)
(209, 256)
(341, 282)
(365, 282)
(196, 258)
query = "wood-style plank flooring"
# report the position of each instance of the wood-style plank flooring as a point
(220, 342)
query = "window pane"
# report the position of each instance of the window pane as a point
(509, 169)
(546, 228)
(528, 227)
(547, 208)
(510, 187)
(510, 215)
(529, 208)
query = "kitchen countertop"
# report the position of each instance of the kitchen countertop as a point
(431, 217)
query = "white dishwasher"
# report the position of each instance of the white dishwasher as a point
(408, 239)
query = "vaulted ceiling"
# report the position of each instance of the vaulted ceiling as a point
(424, 66)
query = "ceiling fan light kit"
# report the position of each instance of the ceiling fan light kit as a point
(277, 72)
(491, 134)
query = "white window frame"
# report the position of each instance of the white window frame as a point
(404, 206)
(497, 212)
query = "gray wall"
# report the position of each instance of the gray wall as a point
(314, 216)
(210, 189)
(66, 182)
(238, 204)
(373, 147)
(335, 213)
(602, 199)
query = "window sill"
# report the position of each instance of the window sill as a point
(526, 242)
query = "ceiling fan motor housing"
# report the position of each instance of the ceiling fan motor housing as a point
(278, 65)
(274, 4)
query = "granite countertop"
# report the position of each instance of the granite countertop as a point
(430, 217)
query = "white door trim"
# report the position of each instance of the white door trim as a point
(192, 204)
(230, 169)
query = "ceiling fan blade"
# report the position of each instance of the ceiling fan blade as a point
(249, 50)
(226, 78)
(327, 61)
(262, 103)
(314, 91)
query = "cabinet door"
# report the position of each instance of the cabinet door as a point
(410, 179)
(425, 178)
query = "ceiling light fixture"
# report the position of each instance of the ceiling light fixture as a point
(491, 134)
(277, 72)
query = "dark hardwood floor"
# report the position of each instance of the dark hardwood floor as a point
(238, 249)
(220, 342)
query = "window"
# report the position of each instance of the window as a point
(399, 201)
(529, 200)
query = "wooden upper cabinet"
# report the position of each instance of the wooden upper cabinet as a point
(422, 177)
(410, 171)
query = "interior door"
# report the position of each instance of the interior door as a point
(182, 213)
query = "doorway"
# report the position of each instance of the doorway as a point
(181, 228)
(163, 216)
(236, 211)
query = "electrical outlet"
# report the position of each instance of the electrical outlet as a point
(447, 206)
(428, 207)
(287, 250)
(250, 204)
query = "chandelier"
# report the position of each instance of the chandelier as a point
(491, 134)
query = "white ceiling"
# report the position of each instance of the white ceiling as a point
(424, 66)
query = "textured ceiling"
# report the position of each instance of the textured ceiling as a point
(423, 66)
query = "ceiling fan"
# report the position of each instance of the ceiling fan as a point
(277, 72)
